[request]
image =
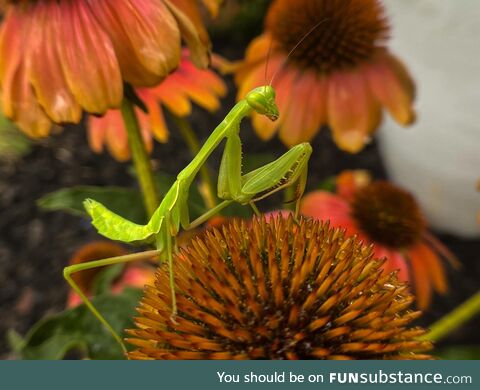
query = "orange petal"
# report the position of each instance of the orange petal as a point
(88, 58)
(352, 112)
(212, 6)
(435, 268)
(145, 36)
(173, 97)
(187, 14)
(156, 119)
(325, 206)
(26, 112)
(421, 277)
(306, 111)
(349, 181)
(393, 87)
(395, 262)
(44, 68)
(96, 131)
(11, 34)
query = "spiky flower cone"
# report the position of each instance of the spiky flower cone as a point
(277, 290)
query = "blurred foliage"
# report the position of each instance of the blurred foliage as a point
(459, 352)
(239, 21)
(77, 329)
(13, 143)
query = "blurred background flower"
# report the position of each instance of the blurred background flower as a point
(58, 58)
(187, 83)
(277, 290)
(132, 275)
(388, 217)
(331, 67)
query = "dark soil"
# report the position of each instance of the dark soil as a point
(35, 245)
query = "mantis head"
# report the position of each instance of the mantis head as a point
(262, 100)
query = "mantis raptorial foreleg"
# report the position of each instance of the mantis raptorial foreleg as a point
(172, 213)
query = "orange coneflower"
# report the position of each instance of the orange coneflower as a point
(331, 67)
(281, 289)
(58, 58)
(388, 217)
(187, 83)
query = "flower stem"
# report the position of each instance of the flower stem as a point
(141, 161)
(454, 319)
(207, 189)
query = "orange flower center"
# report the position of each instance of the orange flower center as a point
(330, 34)
(388, 215)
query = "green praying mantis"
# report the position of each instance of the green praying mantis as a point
(164, 225)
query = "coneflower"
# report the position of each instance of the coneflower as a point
(388, 217)
(332, 68)
(277, 290)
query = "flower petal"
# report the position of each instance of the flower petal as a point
(44, 68)
(393, 87)
(421, 277)
(323, 205)
(435, 268)
(187, 14)
(145, 37)
(88, 58)
(11, 38)
(352, 112)
(307, 110)
(25, 110)
(156, 121)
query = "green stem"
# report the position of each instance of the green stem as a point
(454, 319)
(140, 157)
(207, 190)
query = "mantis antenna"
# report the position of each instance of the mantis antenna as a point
(293, 49)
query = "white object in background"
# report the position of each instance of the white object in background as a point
(438, 159)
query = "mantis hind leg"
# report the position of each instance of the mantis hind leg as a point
(70, 270)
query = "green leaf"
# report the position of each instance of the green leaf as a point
(13, 143)
(103, 281)
(51, 338)
(123, 201)
(14, 340)
(329, 184)
(459, 352)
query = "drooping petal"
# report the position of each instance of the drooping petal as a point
(187, 14)
(88, 58)
(393, 87)
(171, 94)
(421, 277)
(352, 112)
(44, 68)
(307, 109)
(11, 34)
(96, 132)
(155, 119)
(434, 267)
(145, 37)
(25, 111)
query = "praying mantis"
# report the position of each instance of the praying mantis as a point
(233, 186)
